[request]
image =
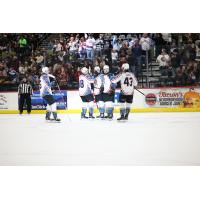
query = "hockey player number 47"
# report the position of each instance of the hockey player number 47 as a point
(128, 81)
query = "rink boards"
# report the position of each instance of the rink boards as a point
(176, 99)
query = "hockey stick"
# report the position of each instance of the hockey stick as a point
(60, 94)
(140, 91)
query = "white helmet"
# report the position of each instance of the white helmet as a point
(45, 70)
(106, 69)
(125, 66)
(84, 70)
(97, 69)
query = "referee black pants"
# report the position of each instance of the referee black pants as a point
(23, 98)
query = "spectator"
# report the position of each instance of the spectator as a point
(189, 52)
(171, 74)
(191, 79)
(133, 40)
(61, 55)
(82, 48)
(175, 58)
(99, 46)
(163, 60)
(181, 76)
(131, 61)
(12, 76)
(57, 46)
(61, 76)
(159, 43)
(198, 51)
(39, 59)
(115, 44)
(145, 43)
(107, 50)
(3, 73)
(22, 46)
(124, 48)
(196, 67)
(22, 69)
(90, 45)
(114, 57)
(73, 46)
(137, 52)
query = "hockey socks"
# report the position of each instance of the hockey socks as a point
(48, 114)
(84, 110)
(91, 111)
(122, 111)
(127, 113)
(55, 116)
(101, 110)
(83, 113)
(110, 113)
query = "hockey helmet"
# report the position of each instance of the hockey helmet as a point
(84, 70)
(97, 69)
(45, 70)
(125, 67)
(106, 69)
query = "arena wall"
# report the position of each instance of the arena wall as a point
(177, 99)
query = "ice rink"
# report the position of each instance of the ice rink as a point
(146, 139)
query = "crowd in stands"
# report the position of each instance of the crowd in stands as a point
(23, 55)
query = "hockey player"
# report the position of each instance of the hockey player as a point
(128, 82)
(98, 89)
(85, 92)
(108, 92)
(46, 93)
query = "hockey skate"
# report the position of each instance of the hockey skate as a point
(55, 119)
(109, 116)
(121, 118)
(101, 116)
(91, 116)
(47, 117)
(126, 117)
(83, 116)
(127, 114)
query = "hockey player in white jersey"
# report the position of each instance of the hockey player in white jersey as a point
(98, 90)
(128, 82)
(46, 93)
(85, 92)
(108, 92)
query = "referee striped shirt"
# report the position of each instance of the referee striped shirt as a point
(25, 88)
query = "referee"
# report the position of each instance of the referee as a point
(25, 91)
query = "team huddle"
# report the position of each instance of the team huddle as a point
(98, 88)
(104, 90)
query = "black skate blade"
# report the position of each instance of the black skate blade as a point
(123, 120)
(53, 121)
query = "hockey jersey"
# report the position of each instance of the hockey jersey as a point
(45, 85)
(108, 85)
(85, 82)
(128, 82)
(98, 84)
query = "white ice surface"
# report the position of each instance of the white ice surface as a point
(146, 139)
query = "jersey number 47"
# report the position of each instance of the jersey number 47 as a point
(128, 81)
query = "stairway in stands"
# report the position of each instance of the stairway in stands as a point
(154, 76)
